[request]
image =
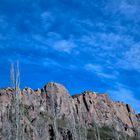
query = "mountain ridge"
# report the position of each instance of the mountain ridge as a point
(63, 116)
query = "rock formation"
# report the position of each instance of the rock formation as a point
(51, 113)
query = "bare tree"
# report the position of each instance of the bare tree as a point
(15, 82)
(12, 82)
(98, 133)
(12, 75)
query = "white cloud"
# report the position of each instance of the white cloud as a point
(130, 9)
(106, 75)
(107, 41)
(131, 59)
(99, 70)
(3, 22)
(64, 45)
(127, 9)
(119, 50)
(92, 67)
(49, 62)
(47, 18)
(56, 42)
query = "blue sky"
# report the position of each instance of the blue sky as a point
(85, 45)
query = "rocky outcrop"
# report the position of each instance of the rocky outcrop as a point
(51, 113)
(104, 112)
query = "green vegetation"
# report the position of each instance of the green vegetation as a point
(106, 133)
(62, 122)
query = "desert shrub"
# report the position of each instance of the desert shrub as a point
(62, 122)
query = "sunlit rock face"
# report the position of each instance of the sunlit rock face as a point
(51, 113)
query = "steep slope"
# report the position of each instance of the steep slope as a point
(51, 113)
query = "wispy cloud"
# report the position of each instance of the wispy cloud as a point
(56, 41)
(100, 71)
(64, 45)
(130, 9)
(131, 59)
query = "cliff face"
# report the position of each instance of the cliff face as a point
(52, 114)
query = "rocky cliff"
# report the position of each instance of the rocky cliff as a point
(51, 113)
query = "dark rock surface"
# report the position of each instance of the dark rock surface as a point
(51, 113)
